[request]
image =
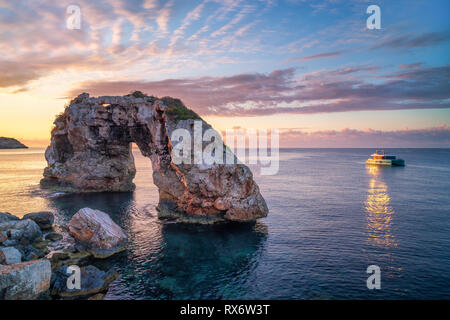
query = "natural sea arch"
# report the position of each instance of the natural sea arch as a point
(90, 151)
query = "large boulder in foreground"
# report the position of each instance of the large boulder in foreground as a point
(25, 280)
(96, 231)
(90, 151)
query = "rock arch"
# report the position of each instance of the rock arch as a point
(90, 151)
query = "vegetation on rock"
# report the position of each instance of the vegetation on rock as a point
(178, 110)
(137, 94)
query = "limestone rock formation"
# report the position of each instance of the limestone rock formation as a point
(11, 143)
(90, 150)
(95, 229)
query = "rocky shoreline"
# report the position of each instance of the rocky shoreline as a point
(37, 257)
(11, 143)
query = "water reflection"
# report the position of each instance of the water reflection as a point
(191, 262)
(174, 261)
(116, 204)
(379, 211)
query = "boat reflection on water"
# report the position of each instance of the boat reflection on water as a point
(379, 211)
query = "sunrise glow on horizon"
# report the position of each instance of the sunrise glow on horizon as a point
(312, 70)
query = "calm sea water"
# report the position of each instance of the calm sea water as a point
(330, 218)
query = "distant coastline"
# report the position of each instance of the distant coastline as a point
(11, 143)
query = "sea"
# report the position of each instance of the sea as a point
(330, 218)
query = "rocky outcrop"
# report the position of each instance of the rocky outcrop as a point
(90, 150)
(97, 232)
(25, 280)
(10, 143)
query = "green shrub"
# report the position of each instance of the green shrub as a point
(137, 94)
(178, 110)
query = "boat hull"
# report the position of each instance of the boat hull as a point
(386, 162)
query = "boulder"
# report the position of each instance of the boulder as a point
(35, 251)
(93, 281)
(5, 216)
(44, 219)
(3, 237)
(97, 232)
(25, 280)
(53, 236)
(10, 255)
(66, 257)
(21, 232)
(90, 151)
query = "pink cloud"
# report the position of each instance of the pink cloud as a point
(255, 94)
(437, 137)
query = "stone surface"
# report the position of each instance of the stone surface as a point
(90, 150)
(31, 252)
(3, 237)
(95, 229)
(67, 251)
(44, 219)
(25, 280)
(11, 143)
(65, 257)
(10, 255)
(93, 281)
(5, 216)
(53, 236)
(98, 296)
(21, 232)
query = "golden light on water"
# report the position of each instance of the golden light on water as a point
(379, 211)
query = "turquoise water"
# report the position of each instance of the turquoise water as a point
(330, 218)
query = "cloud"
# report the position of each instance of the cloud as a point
(115, 36)
(192, 16)
(318, 56)
(163, 18)
(410, 65)
(19, 73)
(436, 137)
(238, 18)
(414, 41)
(327, 91)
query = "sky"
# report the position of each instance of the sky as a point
(311, 69)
